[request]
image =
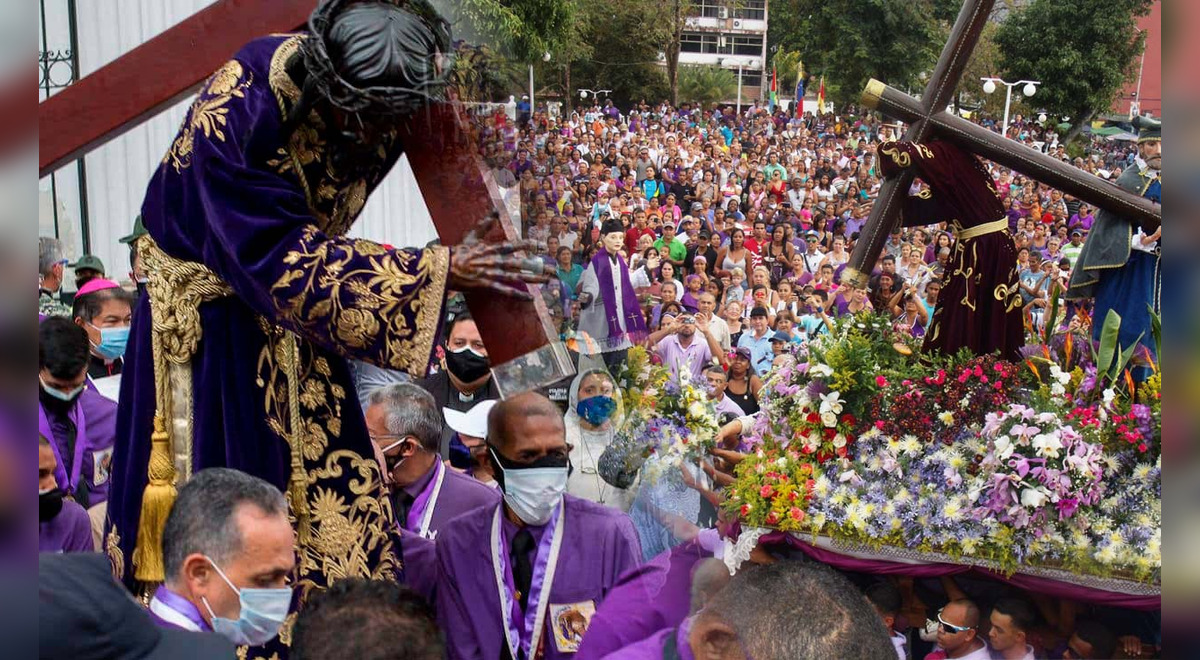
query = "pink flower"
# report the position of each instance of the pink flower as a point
(766, 491)
(1143, 448)
(773, 518)
(881, 381)
(796, 513)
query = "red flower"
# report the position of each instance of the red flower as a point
(1143, 448)
(773, 518)
(829, 433)
(766, 491)
(849, 419)
(792, 496)
(813, 418)
(745, 510)
(841, 452)
(796, 513)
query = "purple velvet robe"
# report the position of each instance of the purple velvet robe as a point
(649, 598)
(598, 545)
(420, 565)
(460, 493)
(267, 218)
(69, 531)
(95, 419)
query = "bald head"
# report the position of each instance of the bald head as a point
(709, 577)
(527, 425)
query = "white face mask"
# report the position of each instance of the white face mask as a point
(532, 493)
(263, 612)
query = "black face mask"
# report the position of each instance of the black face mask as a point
(502, 464)
(466, 365)
(55, 405)
(50, 504)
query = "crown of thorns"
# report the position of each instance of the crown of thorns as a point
(324, 79)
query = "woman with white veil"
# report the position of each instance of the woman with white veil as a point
(592, 420)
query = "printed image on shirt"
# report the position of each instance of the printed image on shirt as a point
(101, 465)
(570, 623)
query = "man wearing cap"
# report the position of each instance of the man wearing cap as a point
(609, 311)
(468, 450)
(104, 310)
(703, 249)
(1071, 250)
(50, 277)
(670, 248)
(758, 341)
(1120, 264)
(779, 342)
(88, 268)
(137, 273)
(406, 426)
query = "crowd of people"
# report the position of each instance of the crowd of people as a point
(730, 232)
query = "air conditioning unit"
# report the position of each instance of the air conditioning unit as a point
(723, 12)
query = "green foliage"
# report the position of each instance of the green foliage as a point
(624, 38)
(705, 85)
(852, 41)
(480, 75)
(520, 29)
(1083, 50)
(1111, 359)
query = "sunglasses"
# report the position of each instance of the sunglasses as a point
(950, 627)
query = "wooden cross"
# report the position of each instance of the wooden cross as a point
(927, 118)
(520, 336)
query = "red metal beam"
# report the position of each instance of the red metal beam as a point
(150, 78)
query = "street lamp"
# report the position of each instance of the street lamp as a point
(741, 65)
(532, 106)
(1029, 89)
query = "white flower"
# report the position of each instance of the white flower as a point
(818, 370)
(1047, 445)
(829, 419)
(839, 441)
(696, 409)
(831, 402)
(1032, 498)
(1109, 395)
(1057, 390)
(946, 418)
(1003, 447)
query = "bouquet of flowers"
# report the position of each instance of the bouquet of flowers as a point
(775, 491)
(1036, 469)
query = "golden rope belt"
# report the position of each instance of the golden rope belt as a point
(986, 228)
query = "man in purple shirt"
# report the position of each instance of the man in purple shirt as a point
(406, 425)
(681, 350)
(63, 525)
(522, 579)
(227, 543)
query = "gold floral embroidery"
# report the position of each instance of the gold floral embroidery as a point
(209, 113)
(923, 151)
(351, 520)
(112, 547)
(385, 303)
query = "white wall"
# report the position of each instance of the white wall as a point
(117, 172)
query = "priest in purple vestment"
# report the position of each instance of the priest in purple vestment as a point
(405, 423)
(238, 354)
(522, 579)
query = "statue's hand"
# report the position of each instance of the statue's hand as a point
(498, 267)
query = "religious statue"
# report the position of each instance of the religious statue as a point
(1119, 264)
(239, 354)
(980, 304)
(610, 313)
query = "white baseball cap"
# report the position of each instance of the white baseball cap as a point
(473, 422)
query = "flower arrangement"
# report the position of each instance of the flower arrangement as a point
(776, 491)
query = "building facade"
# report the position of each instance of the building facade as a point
(731, 36)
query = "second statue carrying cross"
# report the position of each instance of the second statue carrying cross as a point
(979, 307)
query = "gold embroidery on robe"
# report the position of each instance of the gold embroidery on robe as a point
(366, 296)
(901, 158)
(208, 113)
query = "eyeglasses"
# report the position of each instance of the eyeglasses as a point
(950, 627)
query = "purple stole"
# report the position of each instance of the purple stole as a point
(635, 325)
(520, 638)
(81, 442)
(421, 511)
(172, 610)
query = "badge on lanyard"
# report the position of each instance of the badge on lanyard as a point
(101, 466)
(570, 623)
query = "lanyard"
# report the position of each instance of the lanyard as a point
(60, 472)
(422, 508)
(539, 588)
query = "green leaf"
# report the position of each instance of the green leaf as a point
(1156, 332)
(1125, 356)
(1052, 316)
(1108, 342)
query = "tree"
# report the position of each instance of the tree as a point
(624, 38)
(984, 63)
(1083, 50)
(852, 41)
(705, 85)
(520, 29)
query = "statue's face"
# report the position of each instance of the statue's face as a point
(613, 241)
(1151, 152)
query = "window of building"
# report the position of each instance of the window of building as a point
(755, 10)
(695, 42)
(745, 45)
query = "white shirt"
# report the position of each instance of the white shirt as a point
(900, 642)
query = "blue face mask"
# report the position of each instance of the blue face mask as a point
(597, 409)
(262, 613)
(112, 342)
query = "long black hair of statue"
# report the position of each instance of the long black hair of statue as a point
(372, 59)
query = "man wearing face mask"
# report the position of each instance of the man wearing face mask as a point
(543, 553)
(466, 375)
(406, 425)
(63, 525)
(227, 553)
(137, 273)
(50, 277)
(79, 423)
(609, 312)
(104, 310)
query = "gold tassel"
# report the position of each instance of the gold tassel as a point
(157, 500)
(298, 492)
(298, 486)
